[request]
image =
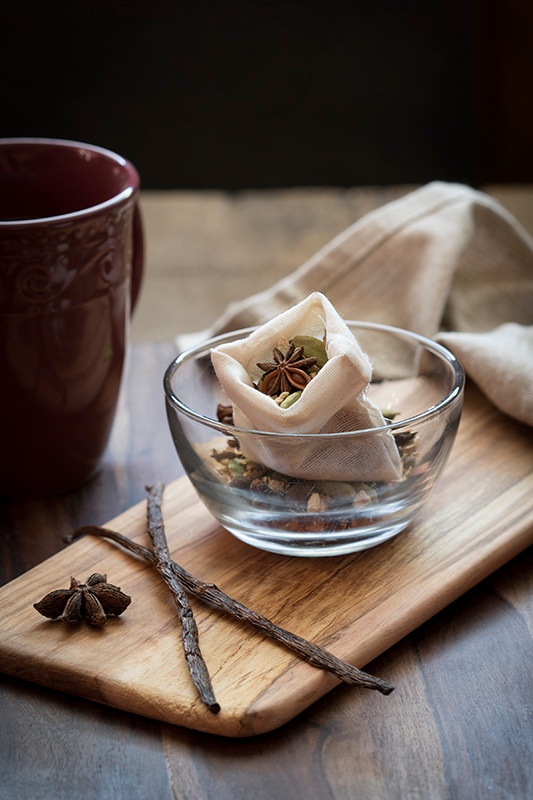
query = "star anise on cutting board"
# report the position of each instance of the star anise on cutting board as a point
(287, 373)
(95, 600)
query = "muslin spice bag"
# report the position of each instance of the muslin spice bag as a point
(333, 401)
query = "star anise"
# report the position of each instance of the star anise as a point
(287, 373)
(95, 600)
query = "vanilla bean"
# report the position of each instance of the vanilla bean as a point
(189, 630)
(211, 594)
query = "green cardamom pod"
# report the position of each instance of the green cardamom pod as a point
(313, 348)
(292, 398)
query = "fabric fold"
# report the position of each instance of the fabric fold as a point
(334, 401)
(445, 261)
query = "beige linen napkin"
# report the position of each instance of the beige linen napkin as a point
(445, 261)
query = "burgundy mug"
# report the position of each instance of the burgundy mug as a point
(71, 264)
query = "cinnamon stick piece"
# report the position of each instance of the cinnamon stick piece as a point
(189, 630)
(210, 593)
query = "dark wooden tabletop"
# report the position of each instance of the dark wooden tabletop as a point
(462, 727)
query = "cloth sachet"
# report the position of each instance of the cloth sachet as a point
(331, 402)
(445, 261)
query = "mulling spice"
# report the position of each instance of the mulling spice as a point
(210, 593)
(95, 601)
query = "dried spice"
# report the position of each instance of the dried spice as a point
(95, 600)
(190, 639)
(209, 593)
(289, 371)
(225, 414)
(309, 501)
(313, 347)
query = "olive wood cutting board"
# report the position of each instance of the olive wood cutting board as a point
(357, 606)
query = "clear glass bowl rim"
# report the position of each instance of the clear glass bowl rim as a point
(448, 400)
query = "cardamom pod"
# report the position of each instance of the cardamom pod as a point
(313, 348)
(292, 398)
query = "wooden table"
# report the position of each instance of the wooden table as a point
(460, 728)
(206, 249)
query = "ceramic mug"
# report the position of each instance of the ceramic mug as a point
(71, 264)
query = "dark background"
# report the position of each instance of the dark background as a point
(240, 94)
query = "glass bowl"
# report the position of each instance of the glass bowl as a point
(417, 384)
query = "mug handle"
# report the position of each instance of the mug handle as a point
(137, 267)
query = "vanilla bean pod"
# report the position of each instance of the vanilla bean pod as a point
(189, 631)
(311, 653)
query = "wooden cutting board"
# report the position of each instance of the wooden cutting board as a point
(480, 516)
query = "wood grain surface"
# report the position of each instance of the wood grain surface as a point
(458, 725)
(480, 516)
(206, 249)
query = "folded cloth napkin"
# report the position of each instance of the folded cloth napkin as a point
(445, 261)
